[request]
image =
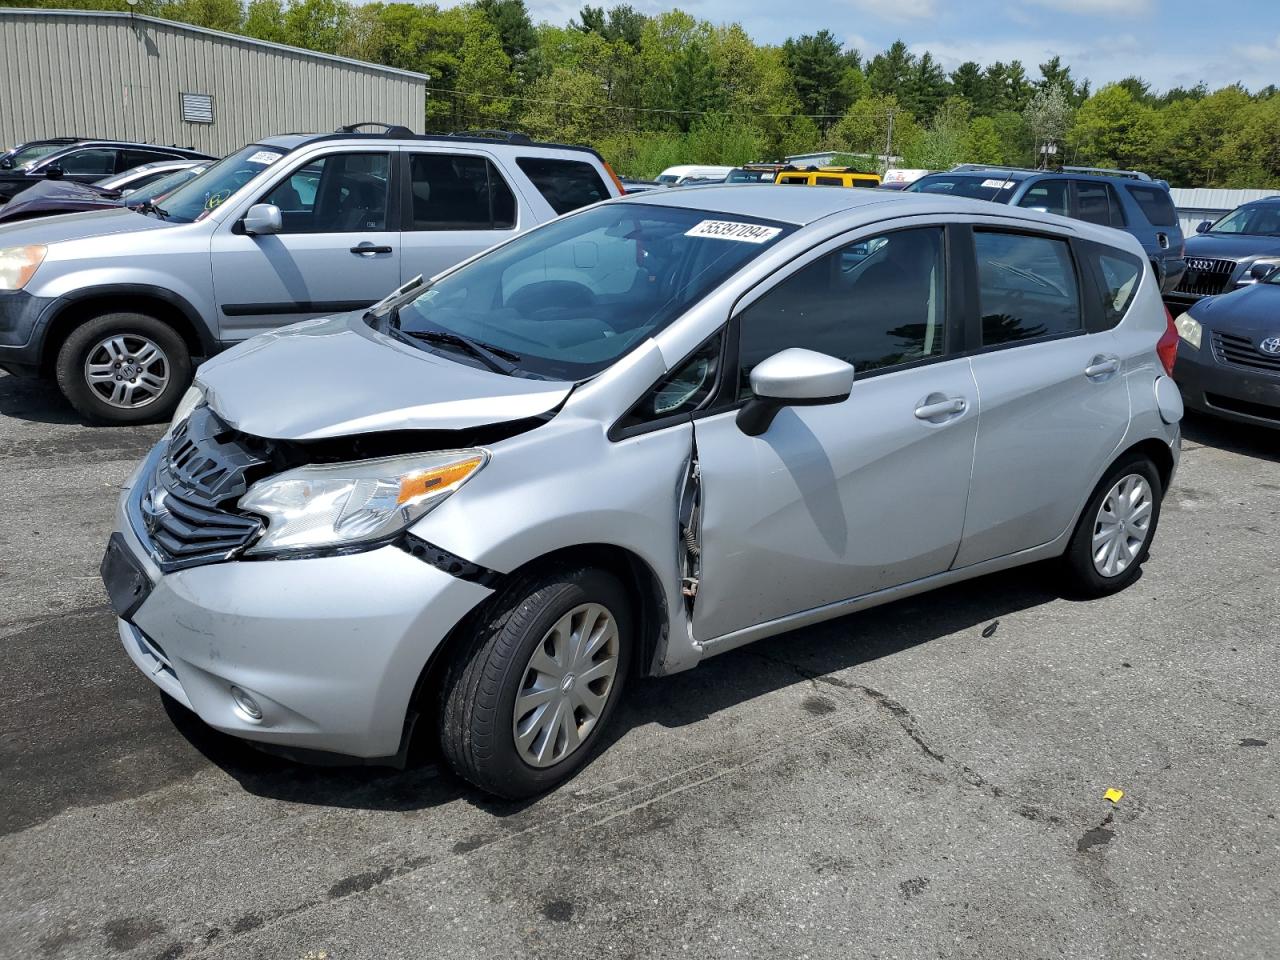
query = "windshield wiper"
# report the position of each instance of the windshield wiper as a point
(148, 206)
(495, 358)
(388, 308)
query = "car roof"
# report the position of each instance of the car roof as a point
(80, 144)
(993, 174)
(803, 205)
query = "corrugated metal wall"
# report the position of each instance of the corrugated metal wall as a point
(115, 76)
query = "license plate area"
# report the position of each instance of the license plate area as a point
(128, 585)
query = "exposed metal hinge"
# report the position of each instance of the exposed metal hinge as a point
(689, 586)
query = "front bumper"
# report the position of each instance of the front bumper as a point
(330, 648)
(1226, 390)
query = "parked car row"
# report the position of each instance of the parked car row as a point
(131, 188)
(79, 160)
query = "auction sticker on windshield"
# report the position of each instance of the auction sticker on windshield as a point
(729, 230)
(265, 157)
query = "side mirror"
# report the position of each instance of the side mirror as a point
(1203, 226)
(1260, 271)
(793, 378)
(263, 218)
(6, 163)
(53, 171)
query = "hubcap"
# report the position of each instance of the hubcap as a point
(566, 685)
(1120, 530)
(127, 371)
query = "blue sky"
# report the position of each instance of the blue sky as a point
(1168, 42)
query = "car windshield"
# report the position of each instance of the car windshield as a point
(566, 300)
(1262, 220)
(165, 185)
(196, 199)
(990, 186)
(28, 155)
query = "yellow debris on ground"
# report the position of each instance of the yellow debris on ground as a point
(1113, 795)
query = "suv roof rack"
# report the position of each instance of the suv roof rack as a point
(510, 136)
(993, 167)
(1108, 172)
(404, 133)
(388, 129)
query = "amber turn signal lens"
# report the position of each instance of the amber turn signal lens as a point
(420, 484)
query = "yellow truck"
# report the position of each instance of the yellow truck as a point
(829, 177)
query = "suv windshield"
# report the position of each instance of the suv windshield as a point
(194, 200)
(566, 300)
(992, 186)
(1262, 220)
(166, 184)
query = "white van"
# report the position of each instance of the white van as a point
(675, 175)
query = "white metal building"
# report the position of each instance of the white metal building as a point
(104, 74)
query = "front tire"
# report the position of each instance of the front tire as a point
(1113, 537)
(124, 368)
(527, 696)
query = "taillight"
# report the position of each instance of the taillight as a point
(1167, 345)
(614, 177)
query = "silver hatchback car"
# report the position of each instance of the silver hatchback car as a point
(643, 434)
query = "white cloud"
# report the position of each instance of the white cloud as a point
(1118, 8)
(897, 9)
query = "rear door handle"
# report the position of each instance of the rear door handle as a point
(364, 248)
(932, 409)
(1101, 367)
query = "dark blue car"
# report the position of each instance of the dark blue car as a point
(1231, 253)
(1229, 353)
(1124, 199)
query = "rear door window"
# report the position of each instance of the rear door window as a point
(94, 161)
(1097, 203)
(1047, 195)
(457, 192)
(565, 184)
(1027, 287)
(1156, 205)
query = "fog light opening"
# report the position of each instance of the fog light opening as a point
(246, 704)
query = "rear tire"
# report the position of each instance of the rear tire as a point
(124, 368)
(527, 695)
(1113, 537)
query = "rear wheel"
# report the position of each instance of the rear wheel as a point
(124, 368)
(525, 701)
(1113, 536)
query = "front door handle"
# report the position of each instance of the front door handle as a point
(1101, 367)
(931, 408)
(367, 248)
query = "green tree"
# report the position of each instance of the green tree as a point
(983, 142)
(264, 19)
(967, 81)
(864, 129)
(927, 86)
(944, 142)
(820, 73)
(510, 19)
(1048, 117)
(316, 24)
(1112, 129)
(890, 73)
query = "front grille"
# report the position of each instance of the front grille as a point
(1205, 277)
(188, 505)
(1241, 352)
(1262, 411)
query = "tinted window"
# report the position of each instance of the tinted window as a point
(1047, 195)
(1097, 203)
(1157, 206)
(1026, 287)
(874, 304)
(136, 158)
(455, 192)
(565, 184)
(985, 186)
(340, 193)
(680, 392)
(98, 161)
(830, 181)
(1119, 275)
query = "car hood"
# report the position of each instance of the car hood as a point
(336, 377)
(1231, 246)
(1253, 311)
(77, 226)
(55, 196)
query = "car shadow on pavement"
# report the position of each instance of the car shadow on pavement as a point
(719, 684)
(39, 401)
(1248, 441)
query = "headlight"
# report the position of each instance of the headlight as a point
(348, 503)
(1189, 330)
(18, 264)
(190, 400)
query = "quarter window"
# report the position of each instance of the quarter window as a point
(458, 192)
(96, 162)
(565, 184)
(876, 303)
(682, 391)
(1119, 275)
(1157, 206)
(1027, 287)
(340, 193)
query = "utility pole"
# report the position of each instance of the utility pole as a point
(888, 143)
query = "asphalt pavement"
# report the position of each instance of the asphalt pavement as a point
(921, 780)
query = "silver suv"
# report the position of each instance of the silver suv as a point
(642, 435)
(117, 303)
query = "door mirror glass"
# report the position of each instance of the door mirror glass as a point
(53, 172)
(793, 377)
(1203, 226)
(263, 218)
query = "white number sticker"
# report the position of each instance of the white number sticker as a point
(729, 230)
(265, 157)
(995, 184)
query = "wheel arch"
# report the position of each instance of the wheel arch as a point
(1157, 452)
(165, 305)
